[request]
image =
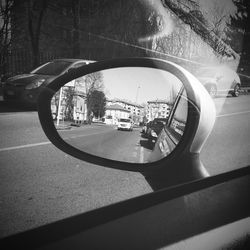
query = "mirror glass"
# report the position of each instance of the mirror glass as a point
(130, 114)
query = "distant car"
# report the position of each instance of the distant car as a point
(145, 127)
(219, 80)
(25, 88)
(125, 124)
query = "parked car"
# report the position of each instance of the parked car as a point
(125, 124)
(145, 128)
(25, 88)
(219, 80)
(155, 128)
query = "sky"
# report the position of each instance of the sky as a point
(139, 84)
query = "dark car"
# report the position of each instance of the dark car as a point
(146, 128)
(155, 128)
(25, 88)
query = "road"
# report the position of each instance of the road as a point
(228, 146)
(40, 184)
(108, 142)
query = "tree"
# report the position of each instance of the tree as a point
(118, 33)
(91, 83)
(241, 22)
(211, 28)
(96, 102)
(5, 33)
(76, 27)
(36, 10)
(69, 101)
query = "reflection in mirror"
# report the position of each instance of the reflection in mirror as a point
(130, 114)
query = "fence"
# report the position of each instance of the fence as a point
(21, 61)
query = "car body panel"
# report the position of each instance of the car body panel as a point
(223, 78)
(15, 87)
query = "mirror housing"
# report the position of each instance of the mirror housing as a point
(184, 158)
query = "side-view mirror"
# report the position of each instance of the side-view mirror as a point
(94, 114)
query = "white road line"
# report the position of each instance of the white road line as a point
(236, 113)
(135, 152)
(42, 143)
(141, 154)
(25, 146)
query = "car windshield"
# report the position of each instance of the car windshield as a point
(39, 184)
(124, 120)
(52, 68)
(207, 72)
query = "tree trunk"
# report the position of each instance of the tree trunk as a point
(76, 26)
(34, 27)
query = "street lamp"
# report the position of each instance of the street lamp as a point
(137, 93)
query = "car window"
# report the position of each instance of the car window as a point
(40, 184)
(77, 65)
(52, 68)
(124, 120)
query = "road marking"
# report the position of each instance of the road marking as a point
(236, 113)
(141, 154)
(42, 143)
(47, 142)
(25, 146)
(74, 136)
(135, 152)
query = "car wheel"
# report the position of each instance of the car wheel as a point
(236, 91)
(212, 90)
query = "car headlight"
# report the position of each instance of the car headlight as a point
(153, 134)
(35, 84)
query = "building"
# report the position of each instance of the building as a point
(73, 105)
(157, 109)
(114, 112)
(136, 111)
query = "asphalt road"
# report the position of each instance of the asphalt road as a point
(108, 142)
(228, 146)
(40, 184)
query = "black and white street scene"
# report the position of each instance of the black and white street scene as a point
(182, 113)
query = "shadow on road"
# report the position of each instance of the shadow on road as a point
(15, 107)
(145, 143)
